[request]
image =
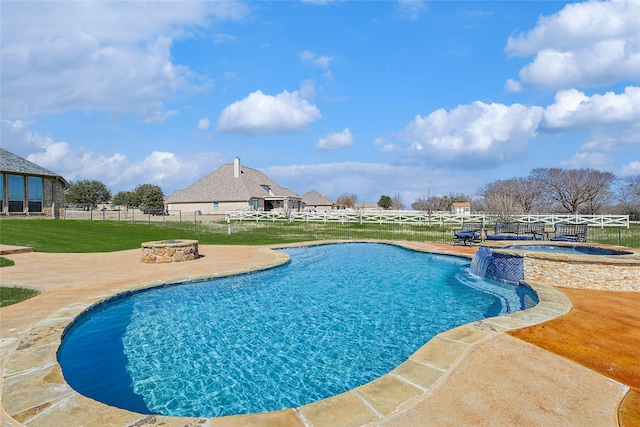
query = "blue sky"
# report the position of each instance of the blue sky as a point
(358, 97)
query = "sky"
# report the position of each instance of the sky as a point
(409, 98)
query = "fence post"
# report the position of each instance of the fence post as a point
(619, 237)
(229, 226)
(90, 214)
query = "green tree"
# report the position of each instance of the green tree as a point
(125, 198)
(87, 193)
(149, 198)
(385, 202)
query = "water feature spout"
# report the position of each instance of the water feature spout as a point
(497, 266)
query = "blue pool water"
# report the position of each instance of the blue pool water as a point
(333, 318)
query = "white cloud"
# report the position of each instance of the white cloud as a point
(259, 113)
(573, 109)
(99, 56)
(633, 168)
(118, 173)
(203, 124)
(322, 61)
(612, 120)
(336, 140)
(319, 2)
(223, 38)
(384, 145)
(411, 9)
(585, 44)
(513, 86)
(585, 159)
(477, 135)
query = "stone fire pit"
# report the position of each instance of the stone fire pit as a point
(164, 251)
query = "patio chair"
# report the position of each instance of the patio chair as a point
(506, 231)
(470, 232)
(570, 233)
(534, 230)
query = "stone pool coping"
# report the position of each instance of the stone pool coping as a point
(34, 391)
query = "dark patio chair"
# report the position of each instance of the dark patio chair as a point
(535, 230)
(470, 232)
(505, 231)
(570, 233)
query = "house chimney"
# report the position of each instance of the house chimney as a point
(236, 167)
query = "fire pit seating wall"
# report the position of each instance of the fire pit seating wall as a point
(164, 251)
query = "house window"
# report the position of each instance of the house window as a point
(216, 206)
(1, 192)
(255, 204)
(265, 188)
(35, 194)
(15, 184)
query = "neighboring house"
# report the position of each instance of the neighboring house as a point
(461, 208)
(233, 187)
(29, 189)
(315, 201)
(370, 206)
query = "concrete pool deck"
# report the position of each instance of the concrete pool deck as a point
(510, 370)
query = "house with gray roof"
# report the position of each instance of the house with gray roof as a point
(29, 189)
(315, 201)
(233, 187)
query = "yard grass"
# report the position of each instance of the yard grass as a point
(9, 295)
(6, 262)
(59, 236)
(83, 236)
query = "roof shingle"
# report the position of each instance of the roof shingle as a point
(221, 186)
(12, 163)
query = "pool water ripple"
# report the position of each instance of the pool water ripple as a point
(332, 319)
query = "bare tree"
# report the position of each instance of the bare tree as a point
(436, 203)
(426, 204)
(575, 190)
(397, 202)
(629, 196)
(347, 200)
(515, 195)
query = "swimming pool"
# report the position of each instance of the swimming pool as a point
(322, 324)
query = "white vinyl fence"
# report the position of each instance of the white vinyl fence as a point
(420, 217)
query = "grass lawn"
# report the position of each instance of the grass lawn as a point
(59, 236)
(6, 262)
(83, 236)
(10, 296)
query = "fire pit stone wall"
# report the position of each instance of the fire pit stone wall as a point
(165, 251)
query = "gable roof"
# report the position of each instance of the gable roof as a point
(221, 186)
(314, 198)
(12, 163)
